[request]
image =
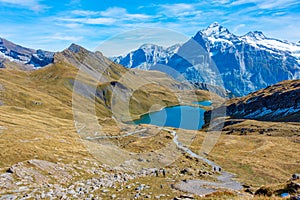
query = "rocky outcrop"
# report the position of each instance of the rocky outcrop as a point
(41, 58)
(280, 102)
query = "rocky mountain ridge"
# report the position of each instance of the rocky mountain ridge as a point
(23, 56)
(279, 102)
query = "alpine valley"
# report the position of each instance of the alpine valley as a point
(67, 131)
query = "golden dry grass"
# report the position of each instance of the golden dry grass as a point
(37, 119)
(256, 158)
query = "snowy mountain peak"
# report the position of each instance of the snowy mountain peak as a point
(159, 49)
(277, 47)
(213, 25)
(147, 55)
(256, 35)
(174, 49)
(217, 31)
(149, 46)
(154, 47)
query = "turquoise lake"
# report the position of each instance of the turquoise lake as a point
(185, 117)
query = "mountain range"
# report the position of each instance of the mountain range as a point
(245, 63)
(22, 56)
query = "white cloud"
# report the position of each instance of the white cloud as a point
(267, 4)
(277, 4)
(112, 16)
(71, 25)
(221, 1)
(84, 12)
(121, 13)
(99, 21)
(65, 37)
(178, 7)
(34, 5)
(179, 10)
(88, 21)
(240, 2)
(113, 12)
(74, 3)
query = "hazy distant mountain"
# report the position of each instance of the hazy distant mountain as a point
(147, 56)
(246, 63)
(22, 55)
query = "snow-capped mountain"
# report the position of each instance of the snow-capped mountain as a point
(22, 55)
(147, 56)
(244, 63)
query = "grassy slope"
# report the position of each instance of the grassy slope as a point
(258, 152)
(37, 118)
(37, 121)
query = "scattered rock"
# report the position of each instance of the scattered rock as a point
(71, 192)
(186, 171)
(10, 170)
(295, 176)
(38, 103)
(128, 187)
(264, 191)
(248, 190)
(35, 177)
(187, 196)
(245, 186)
(295, 197)
(105, 190)
(9, 196)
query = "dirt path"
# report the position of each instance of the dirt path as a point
(201, 187)
(117, 136)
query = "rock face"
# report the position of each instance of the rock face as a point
(280, 102)
(41, 58)
(16, 53)
(245, 63)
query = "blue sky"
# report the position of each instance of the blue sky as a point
(54, 25)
